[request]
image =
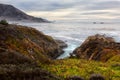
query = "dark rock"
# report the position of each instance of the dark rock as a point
(74, 78)
(96, 77)
(9, 12)
(98, 47)
(61, 43)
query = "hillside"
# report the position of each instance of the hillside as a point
(23, 50)
(9, 12)
(19, 43)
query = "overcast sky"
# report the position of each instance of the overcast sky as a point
(69, 9)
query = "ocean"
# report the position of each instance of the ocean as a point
(74, 32)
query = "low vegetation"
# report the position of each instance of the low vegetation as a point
(79, 67)
(3, 22)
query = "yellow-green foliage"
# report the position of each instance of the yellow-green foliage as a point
(76, 67)
(115, 59)
(3, 22)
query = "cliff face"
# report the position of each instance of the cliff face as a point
(20, 44)
(9, 12)
(98, 48)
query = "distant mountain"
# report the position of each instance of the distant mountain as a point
(9, 12)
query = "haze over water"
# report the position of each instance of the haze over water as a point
(74, 32)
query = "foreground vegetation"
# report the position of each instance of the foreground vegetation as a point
(84, 68)
(24, 72)
(62, 69)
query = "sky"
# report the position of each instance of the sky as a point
(69, 9)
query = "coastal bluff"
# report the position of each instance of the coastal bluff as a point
(20, 44)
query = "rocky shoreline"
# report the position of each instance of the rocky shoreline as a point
(61, 45)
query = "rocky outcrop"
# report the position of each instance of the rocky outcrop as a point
(98, 47)
(61, 44)
(74, 78)
(9, 12)
(20, 44)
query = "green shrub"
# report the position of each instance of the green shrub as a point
(89, 70)
(4, 22)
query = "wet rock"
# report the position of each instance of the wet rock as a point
(61, 43)
(74, 78)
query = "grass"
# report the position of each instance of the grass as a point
(77, 67)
